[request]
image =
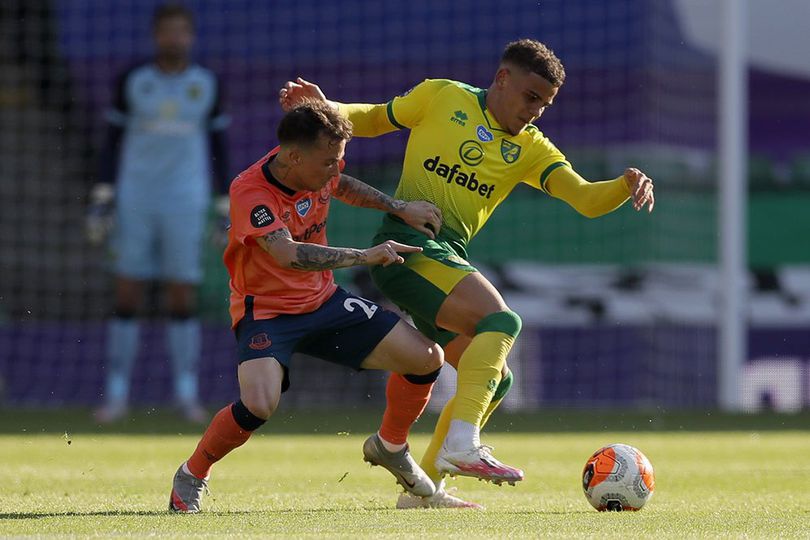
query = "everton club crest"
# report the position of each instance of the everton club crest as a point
(303, 206)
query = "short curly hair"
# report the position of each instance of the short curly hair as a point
(535, 57)
(306, 121)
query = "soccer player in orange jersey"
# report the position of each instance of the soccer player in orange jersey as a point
(284, 299)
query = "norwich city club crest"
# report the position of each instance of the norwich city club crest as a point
(510, 151)
(194, 92)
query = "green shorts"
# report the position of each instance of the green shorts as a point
(420, 285)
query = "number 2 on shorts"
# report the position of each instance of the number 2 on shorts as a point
(350, 304)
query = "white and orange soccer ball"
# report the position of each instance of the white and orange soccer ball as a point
(618, 477)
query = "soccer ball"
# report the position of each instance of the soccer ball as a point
(618, 477)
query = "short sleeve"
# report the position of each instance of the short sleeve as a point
(254, 213)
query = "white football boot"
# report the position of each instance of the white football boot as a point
(477, 462)
(441, 499)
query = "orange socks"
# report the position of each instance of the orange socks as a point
(222, 436)
(406, 396)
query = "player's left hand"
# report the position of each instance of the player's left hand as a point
(388, 253)
(641, 189)
(423, 216)
(294, 92)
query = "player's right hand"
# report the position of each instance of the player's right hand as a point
(99, 219)
(294, 92)
(423, 216)
(388, 253)
(641, 189)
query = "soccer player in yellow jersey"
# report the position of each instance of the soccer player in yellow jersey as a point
(467, 150)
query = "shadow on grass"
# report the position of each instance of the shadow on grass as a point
(206, 513)
(109, 513)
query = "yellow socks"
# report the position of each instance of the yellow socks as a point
(479, 368)
(428, 463)
(500, 393)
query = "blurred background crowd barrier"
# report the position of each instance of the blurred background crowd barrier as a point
(618, 311)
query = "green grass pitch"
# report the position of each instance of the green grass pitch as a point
(306, 478)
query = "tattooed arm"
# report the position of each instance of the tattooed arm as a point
(356, 193)
(315, 257)
(305, 256)
(421, 215)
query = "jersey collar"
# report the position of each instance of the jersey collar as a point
(482, 102)
(272, 179)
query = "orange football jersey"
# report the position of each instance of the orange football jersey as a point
(260, 287)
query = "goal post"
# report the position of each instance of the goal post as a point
(733, 142)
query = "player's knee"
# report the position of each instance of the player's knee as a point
(245, 418)
(504, 386)
(432, 361)
(261, 402)
(428, 378)
(260, 407)
(435, 357)
(507, 322)
(421, 358)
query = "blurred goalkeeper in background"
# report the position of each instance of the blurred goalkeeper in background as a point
(165, 146)
(468, 148)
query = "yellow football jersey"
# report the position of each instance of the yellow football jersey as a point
(457, 156)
